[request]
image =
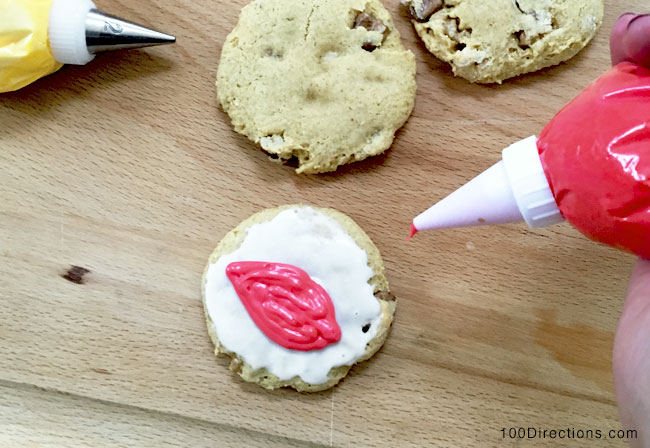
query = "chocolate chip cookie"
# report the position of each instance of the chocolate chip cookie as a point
(488, 42)
(316, 83)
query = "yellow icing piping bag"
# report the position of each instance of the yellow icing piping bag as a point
(38, 36)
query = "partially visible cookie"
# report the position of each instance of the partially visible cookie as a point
(489, 41)
(334, 253)
(317, 83)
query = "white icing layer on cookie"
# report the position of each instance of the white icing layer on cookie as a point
(320, 246)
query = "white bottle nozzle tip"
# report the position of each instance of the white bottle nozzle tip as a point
(512, 190)
(486, 199)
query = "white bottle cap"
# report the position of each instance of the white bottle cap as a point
(67, 32)
(513, 190)
(529, 184)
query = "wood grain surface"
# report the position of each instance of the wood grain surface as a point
(127, 167)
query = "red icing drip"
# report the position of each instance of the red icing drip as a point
(288, 306)
(596, 155)
(413, 232)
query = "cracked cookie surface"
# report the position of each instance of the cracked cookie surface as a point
(316, 84)
(488, 42)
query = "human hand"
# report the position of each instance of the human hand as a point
(631, 360)
(630, 41)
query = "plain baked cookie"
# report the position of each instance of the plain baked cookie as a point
(317, 83)
(325, 243)
(489, 41)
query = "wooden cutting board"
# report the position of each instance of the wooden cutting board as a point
(126, 167)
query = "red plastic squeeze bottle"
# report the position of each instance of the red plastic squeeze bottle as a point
(590, 166)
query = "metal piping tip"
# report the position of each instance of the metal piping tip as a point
(106, 32)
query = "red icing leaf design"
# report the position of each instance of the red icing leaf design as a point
(288, 306)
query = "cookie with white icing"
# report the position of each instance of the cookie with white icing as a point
(489, 41)
(316, 83)
(333, 255)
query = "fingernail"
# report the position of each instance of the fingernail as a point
(638, 16)
(626, 14)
